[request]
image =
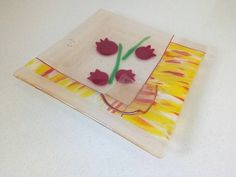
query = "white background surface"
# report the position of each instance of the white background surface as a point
(41, 137)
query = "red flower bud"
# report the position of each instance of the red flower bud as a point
(106, 47)
(98, 77)
(145, 53)
(125, 76)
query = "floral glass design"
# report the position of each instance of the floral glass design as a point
(109, 47)
(132, 84)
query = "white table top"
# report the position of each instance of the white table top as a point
(41, 137)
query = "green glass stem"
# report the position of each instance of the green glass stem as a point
(117, 64)
(126, 55)
(132, 49)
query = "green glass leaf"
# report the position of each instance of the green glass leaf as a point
(117, 64)
(132, 49)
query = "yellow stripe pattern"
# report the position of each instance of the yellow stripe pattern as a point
(60, 79)
(173, 76)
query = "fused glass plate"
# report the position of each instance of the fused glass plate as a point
(129, 77)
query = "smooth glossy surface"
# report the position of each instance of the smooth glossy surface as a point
(40, 136)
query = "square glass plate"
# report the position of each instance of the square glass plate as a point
(129, 77)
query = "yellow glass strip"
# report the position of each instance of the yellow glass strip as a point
(42, 68)
(144, 125)
(31, 62)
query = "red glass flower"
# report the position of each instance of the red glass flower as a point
(98, 77)
(145, 53)
(125, 76)
(106, 47)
